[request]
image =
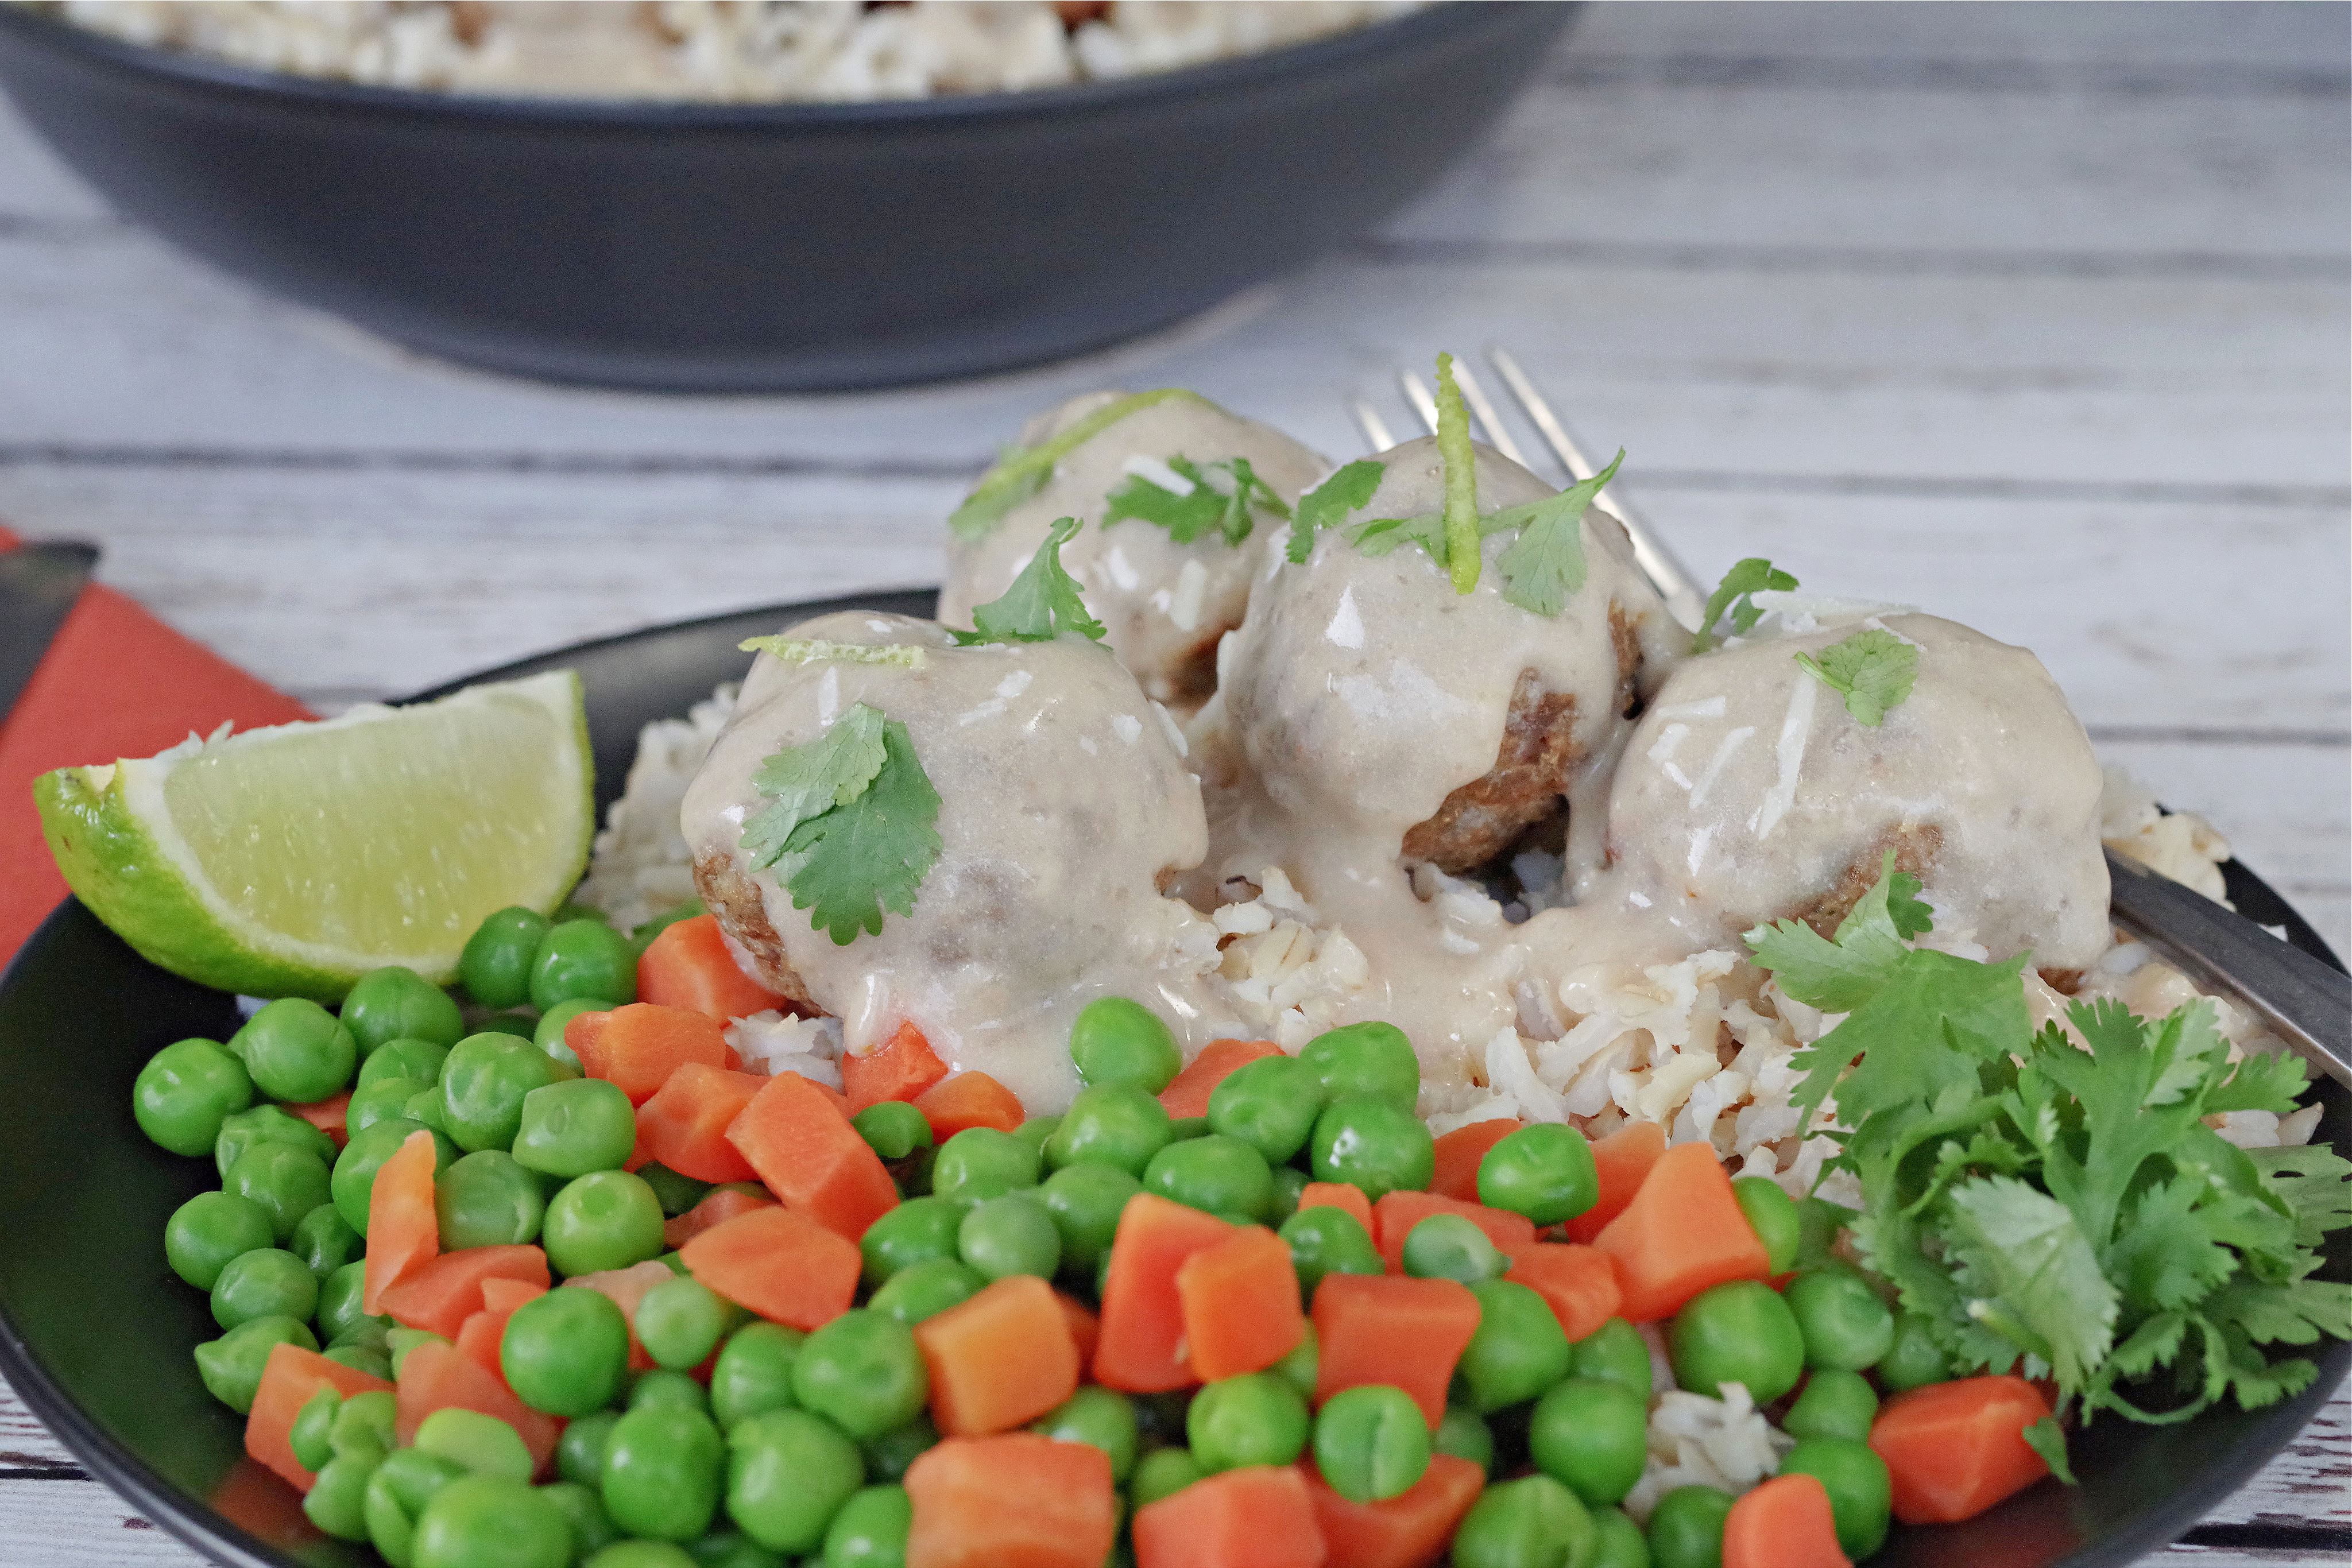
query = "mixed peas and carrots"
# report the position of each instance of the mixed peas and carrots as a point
(576, 1289)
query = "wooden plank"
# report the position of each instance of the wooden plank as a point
(80, 1524)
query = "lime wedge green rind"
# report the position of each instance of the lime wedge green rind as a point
(289, 861)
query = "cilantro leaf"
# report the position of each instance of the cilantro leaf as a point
(1461, 513)
(1736, 593)
(869, 854)
(2048, 1438)
(2315, 1182)
(2043, 1288)
(1928, 1028)
(1042, 602)
(1873, 670)
(1223, 496)
(1544, 564)
(1839, 973)
(817, 650)
(2165, 1256)
(1348, 490)
(1379, 536)
(1019, 474)
(809, 780)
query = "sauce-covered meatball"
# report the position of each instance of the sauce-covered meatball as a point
(1063, 807)
(1164, 605)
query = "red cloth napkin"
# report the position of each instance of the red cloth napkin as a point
(115, 682)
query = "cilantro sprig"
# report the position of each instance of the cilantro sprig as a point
(1021, 473)
(1042, 602)
(2060, 1208)
(1735, 594)
(1348, 490)
(1873, 670)
(1225, 498)
(851, 823)
(1544, 566)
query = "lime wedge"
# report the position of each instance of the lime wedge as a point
(291, 861)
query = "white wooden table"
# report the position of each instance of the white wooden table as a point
(2033, 315)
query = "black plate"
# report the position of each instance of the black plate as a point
(98, 1330)
(779, 247)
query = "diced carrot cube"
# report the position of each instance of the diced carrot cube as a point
(968, 1100)
(328, 1115)
(1389, 1328)
(797, 1139)
(1684, 1232)
(1407, 1530)
(1340, 1194)
(1398, 1212)
(900, 1068)
(1085, 1328)
(687, 966)
(625, 1289)
(480, 1334)
(637, 1046)
(1621, 1160)
(1578, 1284)
(437, 1376)
(403, 1233)
(1256, 1517)
(999, 1360)
(1460, 1152)
(288, 1379)
(779, 1263)
(1141, 1347)
(1954, 1449)
(440, 1296)
(1013, 1501)
(685, 1124)
(1786, 1522)
(1240, 1300)
(722, 1204)
(1188, 1096)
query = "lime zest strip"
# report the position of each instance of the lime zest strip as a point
(1021, 473)
(1462, 557)
(818, 651)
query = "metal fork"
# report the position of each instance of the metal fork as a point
(2307, 1002)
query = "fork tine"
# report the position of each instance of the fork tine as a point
(1416, 393)
(1474, 395)
(1368, 420)
(1539, 414)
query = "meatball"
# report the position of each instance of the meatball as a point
(1064, 804)
(1163, 604)
(1748, 793)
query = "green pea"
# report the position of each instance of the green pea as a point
(309, 1437)
(184, 1093)
(680, 1322)
(368, 1333)
(1913, 1360)
(639, 1555)
(1010, 1235)
(1289, 1187)
(240, 1130)
(893, 1129)
(1378, 1145)
(365, 1421)
(1119, 1125)
(354, 1174)
(1591, 1437)
(981, 1162)
(1738, 1332)
(580, 1452)
(1270, 1104)
(1845, 1325)
(365, 1358)
(1102, 1416)
(1372, 1060)
(1183, 1128)
(862, 1371)
(584, 1509)
(664, 1387)
(870, 1530)
(425, 1110)
(1860, 1491)
(565, 1353)
(1452, 1247)
(418, 1060)
(286, 1182)
(571, 1129)
(676, 1193)
(919, 1230)
(514, 1026)
(1086, 1201)
(487, 1199)
(1465, 1435)
(397, 1494)
(491, 1521)
(584, 958)
(1163, 1472)
(1034, 1131)
(1115, 1041)
(337, 1500)
(481, 1444)
(548, 1033)
(1818, 1224)
(264, 1283)
(1218, 1174)
(295, 1050)
(921, 1290)
(496, 965)
(339, 1299)
(1772, 1215)
(1613, 1352)
(1257, 1418)
(1617, 1540)
(663, 1473)
(1545, 1172)
(1531, 1522)
(1326, 1240)
(1518, 1350)
(608, 1219)
(787, 1472)
(733, 1549)
(231, 1366)
(889, 1456)
(1302, 1363)
(394, 1003)
(1834, 1404)
(1371, 1442)
(482, 1088)
(208, 1230)
(754, 1372)
(380, 1101)
(1686, 1528)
